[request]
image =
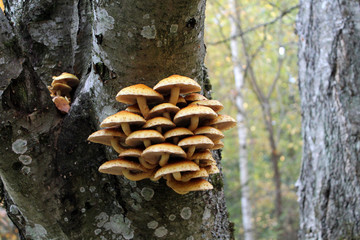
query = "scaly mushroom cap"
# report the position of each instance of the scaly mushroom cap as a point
(218, 145)
(159, 122)
(213, 104)
(195, 184)
(155, 151)
(199, 141)
(203, 155)
(222, 122)
(181, 166)
(104, 136)
(186, 176)
(132, 152)
(133, 109)
(117, 119)
(161, 109)
(177, 132)
(129, 94)
(185, 114)
(138, 137)
(60, 87)
(186, 85)
(210, 132)
(192, 97)
(116, 166)
(66, 78)
(212, 169)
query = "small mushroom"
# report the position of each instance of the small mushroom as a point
(123, 119)
(192, 97)
(140, 94)
(194, 114)
(177, 133)
(213, 133)
(195, 142)
(62, 103)
(212, 169)
(145, 137)
(60, 89)
(159, 123)
(131, 170)
(222, 122)
(213, 104)
(176, 84)
(217, 145)
(195, 184)
(110, 137)
(176, 168)
(66, 78)
(134, 109)
(164, 110)
(160, 153)
(186, 176)
(136, 153)
(204, 155)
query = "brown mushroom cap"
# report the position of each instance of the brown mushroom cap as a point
(159, 123)
(62, 103)
(177, 133)
(104, 136)
(222, 122)
(212, 169)
(123, 119)
(161, 109)
(60, 89)
(131, 152)
(129, 94)
(160, 151)
(195, 184)
(175, 85)
(213, 133)
(186, 85)
(116, 166)
(195, 142)
(175, 167)
(218, 145)
(139, 137)
(186, 176)
(66, 78)
(191, 112)
(192, 97)
(213, 104)
(133, 109)
(202, 155)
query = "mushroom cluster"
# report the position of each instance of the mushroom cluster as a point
(168, 131)
(60, 90)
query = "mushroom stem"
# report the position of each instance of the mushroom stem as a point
(145, 164)
(116, 145)
(194, 123)
(167, 115)
(164, 159)
(144, 109)
(159, 129)
(176, 140)
(126, 128)
(175, 91)
(190, 151)
(135, 176)
(177, 176)
(147, 143)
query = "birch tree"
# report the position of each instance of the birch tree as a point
(51, 186)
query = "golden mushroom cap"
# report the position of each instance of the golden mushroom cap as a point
(131, 152)
(218, 145)
(185, 114)
(195, 184)
(159, 122)
(199, 141)
(133, 109)
(213, 133)
(212, 169)
(222, 122)
(136, 138)
(118, 118)
(178, 132)
(213, 104)
(192, 97)
(158, 110)
(186, 176)
(116, 166)
(181, 166)
(186, 84)
(104, 136)
(155, 151)
(129, 94)
(202, 155)
(66, 78)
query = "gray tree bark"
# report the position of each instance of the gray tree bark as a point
(329, 74)
(52, 189)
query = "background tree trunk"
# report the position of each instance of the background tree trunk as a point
(52, 189)
(329, 72)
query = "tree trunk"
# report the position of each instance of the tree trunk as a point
(329, 74)
(52, 189)
(246, 208)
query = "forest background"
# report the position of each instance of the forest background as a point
(268, 49)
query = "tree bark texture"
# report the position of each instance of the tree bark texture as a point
(329, 74)
(52, 189)
(246, 206)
